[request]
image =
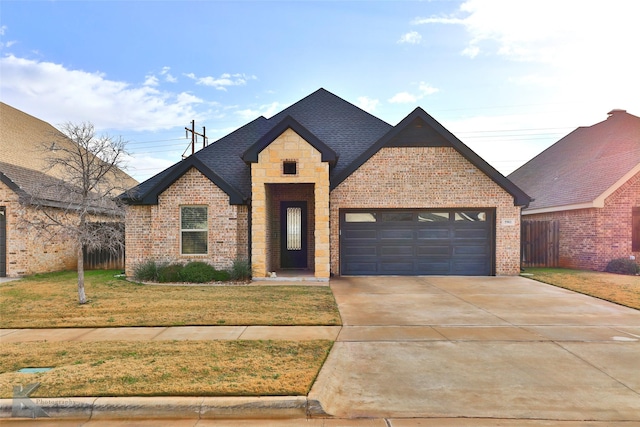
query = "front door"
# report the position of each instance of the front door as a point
(293, 234)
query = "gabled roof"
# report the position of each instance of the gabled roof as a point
(23, 138)
(420, 129)
(251, 155)
(346, 135)
(582, 169)
(37, 188)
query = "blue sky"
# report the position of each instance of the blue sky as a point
(507, 77)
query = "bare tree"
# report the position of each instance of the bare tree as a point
(79, 201)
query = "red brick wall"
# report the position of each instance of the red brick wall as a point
(153, 231)
(27, 251)
(590, 238)
(428, 177)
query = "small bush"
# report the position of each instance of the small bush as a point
(146, 271)
(220, 276)
(197, 272)
(170, 273)
(623, 266)
(240, 270)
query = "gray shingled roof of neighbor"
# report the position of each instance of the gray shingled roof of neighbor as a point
(37, 188)
(345, 133)
(584, 167)
(24, 139)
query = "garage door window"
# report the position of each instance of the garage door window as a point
(433, 216)
(397, 216)
(471, 216)
(360, 217)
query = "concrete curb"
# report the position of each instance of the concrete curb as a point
(163, 407)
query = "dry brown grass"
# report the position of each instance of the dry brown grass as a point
(178, 368)
(51, 301)
(618, 288)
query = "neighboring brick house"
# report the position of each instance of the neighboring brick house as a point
(589, 181)
(22, 180)
(325, 187)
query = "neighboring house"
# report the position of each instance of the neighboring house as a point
(25, 181)
(589, 181)
(327, 187)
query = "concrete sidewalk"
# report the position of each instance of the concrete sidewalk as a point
(170, 333)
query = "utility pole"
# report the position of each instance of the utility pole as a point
(194, 138)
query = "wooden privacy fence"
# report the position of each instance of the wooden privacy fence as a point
(540, 243)
(103, 259)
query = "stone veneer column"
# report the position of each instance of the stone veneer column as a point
(310, 170)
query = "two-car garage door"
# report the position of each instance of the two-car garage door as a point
(417, 242)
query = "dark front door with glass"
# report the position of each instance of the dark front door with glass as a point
(293, 234)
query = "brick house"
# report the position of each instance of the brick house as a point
(22, 181)
(325, 187)
(589, 181)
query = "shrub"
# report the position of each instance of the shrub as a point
(170, 273)
(146, 271)
(240, 270)
(623, 266)
(220, 276)
(197, 272)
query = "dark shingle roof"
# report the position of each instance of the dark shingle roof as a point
(345, 135)
(341, 126)
(583, 165)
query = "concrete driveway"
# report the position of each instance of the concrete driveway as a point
(479, 347)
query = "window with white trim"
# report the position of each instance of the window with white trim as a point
(194, 234)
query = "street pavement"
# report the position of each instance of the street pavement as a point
(428, 351)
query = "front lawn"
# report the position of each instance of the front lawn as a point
(618, 288)
(50, 301)
(164, 368)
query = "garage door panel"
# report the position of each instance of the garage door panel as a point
(360, 234)
(433, 233)
(470, 234)
(395, 234)
(471, 250)
(396, 267)
(362, 267)
(433, 267)
(441, 249)
(396, 250)
(361, 250)
(418, 242)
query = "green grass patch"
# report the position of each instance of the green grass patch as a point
(164, 368)
(50, 300)
(620, 289)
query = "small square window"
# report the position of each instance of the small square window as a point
(289, 168)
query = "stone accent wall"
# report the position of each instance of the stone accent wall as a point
(28, 252)
(590, 238)
(268, 170)
(153, 231)
(428, 177)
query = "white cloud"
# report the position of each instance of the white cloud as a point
(77, 95)
(3, 30)
(403, 98)
(424, 89)
(367, 104)
(222, 82)
(266, 110)
(584, 52)
(151, 81)
(412, 37)
(167, 75)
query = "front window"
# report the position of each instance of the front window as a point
(194, 230)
